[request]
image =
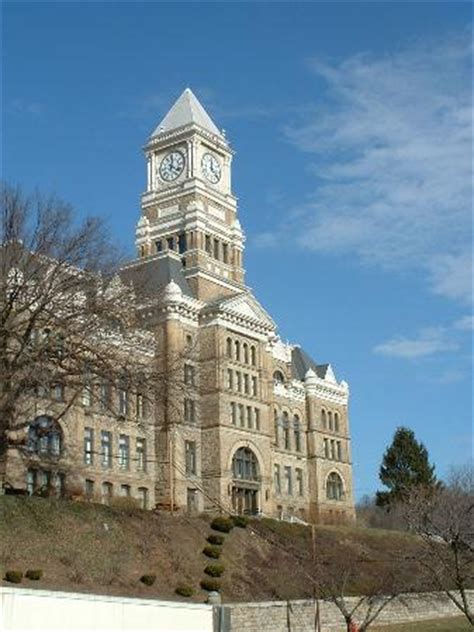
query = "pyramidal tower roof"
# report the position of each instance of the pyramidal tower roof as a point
(185, 111)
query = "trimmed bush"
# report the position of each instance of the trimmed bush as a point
(223, 524)
(14, 577)
(34, 574)
(214, 570)
(148, 580)
(184, 591)
(216, 539)
(212, 551)
(210, 585)
(240, 521)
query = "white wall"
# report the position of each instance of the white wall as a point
(30, 609)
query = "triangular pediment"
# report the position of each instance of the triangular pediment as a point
(246, 306)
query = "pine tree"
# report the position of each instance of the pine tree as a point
(405, 465)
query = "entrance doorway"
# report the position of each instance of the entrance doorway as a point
(246, 483)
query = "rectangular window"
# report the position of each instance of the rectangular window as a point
(190, 454)
(254, 386)
(276, 478)
(257, 418)
(238, 376)
(289, 482)
(216, 249)
(125, 491)
(57, 392)
(58, 482)
(333, 449)
(189, 410)
(89, 488)
(249, 417)
(105, 395)
(225, 253)
(143, 497)
(182, 243)
(246, 384)
(107, 492)
(140, 406)
(124, 452)
(242, 415)
(208, 247)
(299, 481)
(339, 451)
(170, 243)
(123, 401)
(86, 397)
(297, 438)
(106, 448)
(159, 245)
(230, 380)
(326, 448)
(88, 446)
(233, 413)
(31, 482)
(189, 375)
(286, 436)
(141, 455)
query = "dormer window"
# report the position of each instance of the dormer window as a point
(278, 378)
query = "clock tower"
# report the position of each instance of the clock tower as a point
(189, 212)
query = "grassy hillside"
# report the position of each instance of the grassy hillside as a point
(88, 547)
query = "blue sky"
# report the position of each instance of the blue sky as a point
(352, 129)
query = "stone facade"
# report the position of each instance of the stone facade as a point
(248, 423)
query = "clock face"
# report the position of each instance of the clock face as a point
(211, 168)
(171, 166)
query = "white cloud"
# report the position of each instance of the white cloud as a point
(430, 341)
(465, 323)
(391, 157)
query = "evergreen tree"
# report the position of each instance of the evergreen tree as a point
(405, 465)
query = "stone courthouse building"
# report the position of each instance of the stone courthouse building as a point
(258, 426)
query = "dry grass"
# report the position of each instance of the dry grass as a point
(90, 547)
(451, 624)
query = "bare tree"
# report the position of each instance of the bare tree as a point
(68, 323)
(445, 522)
(347, 571)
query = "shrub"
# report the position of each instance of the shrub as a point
(214, 570)
(240, 521)
(210, 584)
(212, 551)
(14, 577)
(148, 580)
(34, 574)
(223, 524)
(125, 504)
(215, 539)
(184, 591)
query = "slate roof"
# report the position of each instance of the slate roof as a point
(301, 362)
(153, 275)
(185, 111)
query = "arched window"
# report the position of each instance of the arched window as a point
(278, 377)
(329, 420)
(297, 432)
(237, 350)
(336, 422)
(229, 348)
(323, 418)
(253, 356)
(286, 431)
(246, 352)
(44, 437)
(334, 487)
(245, 465)
(275, 426)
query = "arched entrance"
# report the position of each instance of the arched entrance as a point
(245, 483)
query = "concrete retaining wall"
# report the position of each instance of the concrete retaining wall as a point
(299, 616)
